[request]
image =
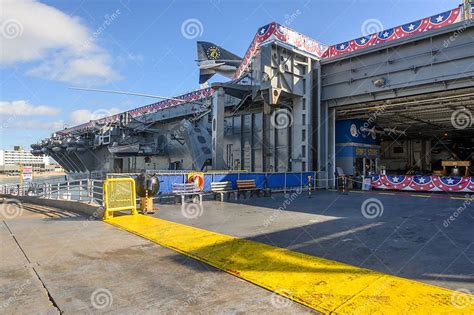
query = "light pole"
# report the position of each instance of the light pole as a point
(21, 179)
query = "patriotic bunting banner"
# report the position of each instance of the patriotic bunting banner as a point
(275, 31)
(402, 31)
(424, 183)
(386, 36)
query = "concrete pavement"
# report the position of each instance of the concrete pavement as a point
(407, 237)
(54, 261)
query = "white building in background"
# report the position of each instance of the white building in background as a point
(10, 160)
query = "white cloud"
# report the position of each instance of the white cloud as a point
(23, 124)
(12, 113)
(60, 46)
(77, 117)
(23, 108)
(81, 116)
(34, 124)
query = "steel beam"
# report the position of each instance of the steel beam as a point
(218, 110)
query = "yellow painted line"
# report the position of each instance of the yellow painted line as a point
(325, 285)
(357, 191)
(460, 198)
(423, 196)
(386, 193)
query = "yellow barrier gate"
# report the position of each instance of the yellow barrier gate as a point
(119, 195)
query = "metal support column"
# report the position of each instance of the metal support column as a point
(218, 108)
(331, 141)
(309, 115)
(321, 135)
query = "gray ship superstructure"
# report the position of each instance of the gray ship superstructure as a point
(278, 111)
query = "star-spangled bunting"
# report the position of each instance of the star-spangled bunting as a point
(424, 183)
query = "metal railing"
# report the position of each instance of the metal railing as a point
(275, 181)
(91, 190)
(87, 190)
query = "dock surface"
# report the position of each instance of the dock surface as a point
(58, 262)
(317, 255)
(325, 285)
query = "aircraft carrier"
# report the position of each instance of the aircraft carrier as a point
(286, 102)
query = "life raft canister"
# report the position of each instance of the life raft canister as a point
(197, 179)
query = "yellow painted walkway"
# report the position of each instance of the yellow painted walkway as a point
(327, 286)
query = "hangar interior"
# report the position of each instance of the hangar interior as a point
(416, 98)
(418, 132)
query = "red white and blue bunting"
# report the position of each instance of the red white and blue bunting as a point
(402, 31)
(284, 34)
(275, 31)
(424, 183)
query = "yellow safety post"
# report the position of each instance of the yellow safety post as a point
(146, 204)
(119, 195)
(309, 186)
(344, 188)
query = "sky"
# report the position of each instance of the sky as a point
(146, 46)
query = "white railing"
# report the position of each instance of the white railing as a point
(157, 172)
(91, 190)
(87, 190)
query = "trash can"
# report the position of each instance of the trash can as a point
(358, 182)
